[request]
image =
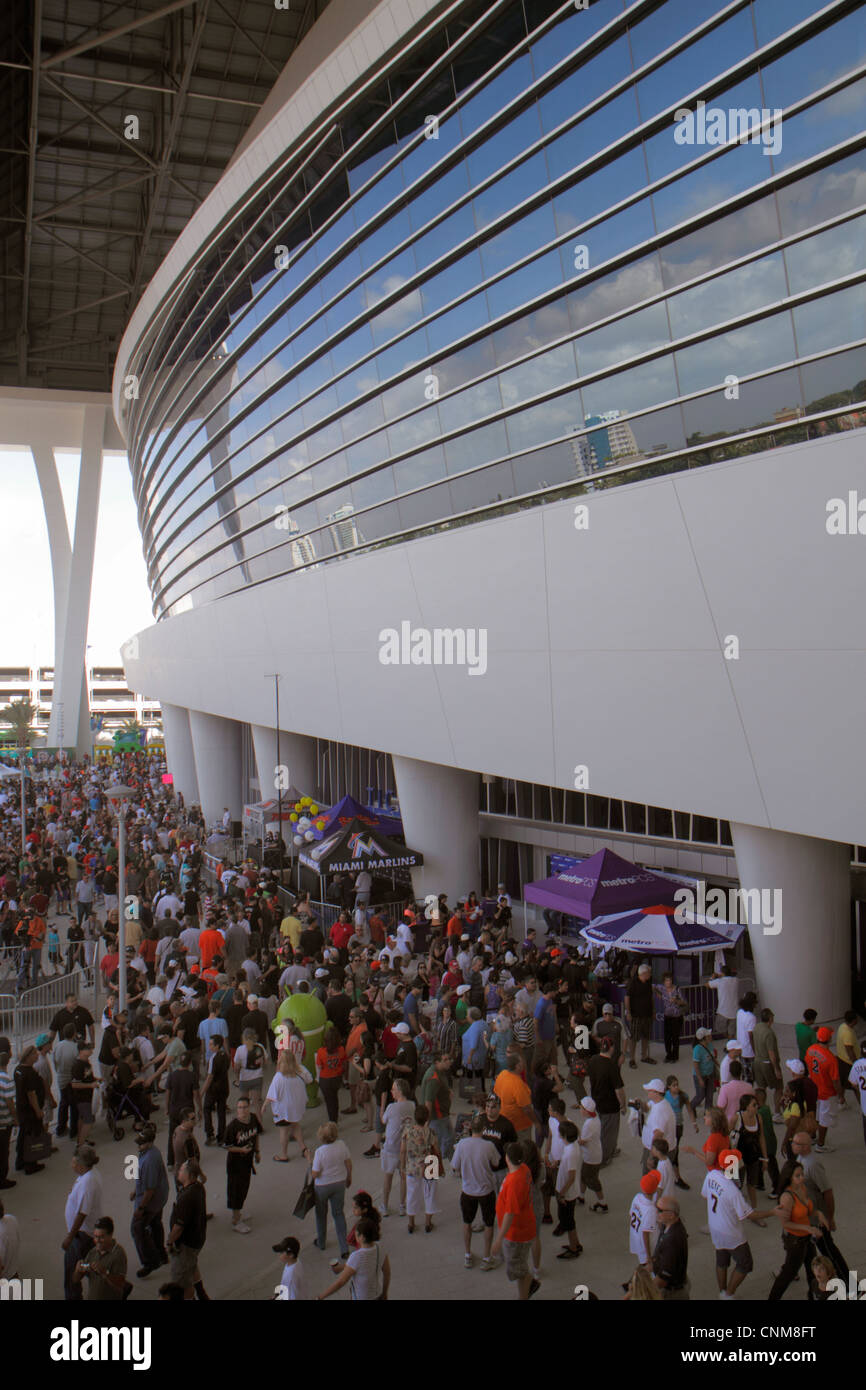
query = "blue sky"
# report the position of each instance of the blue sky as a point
(120, 601)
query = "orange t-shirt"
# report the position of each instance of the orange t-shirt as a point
(514, 1094)
(823, 1069)
(210, 944)
(331, 1064)
(455, 927)
(515, 1196)
(353, 1042)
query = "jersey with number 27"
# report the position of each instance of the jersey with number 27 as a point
(857, 1078)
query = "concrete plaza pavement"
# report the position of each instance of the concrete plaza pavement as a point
(424, 1267)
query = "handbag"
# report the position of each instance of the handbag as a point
(35, 1148)
(307, 1198)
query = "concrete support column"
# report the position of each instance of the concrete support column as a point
(179, 752)
(73, 574)
(297, 754)
(806, 965)
(217, 745)
(439, 806)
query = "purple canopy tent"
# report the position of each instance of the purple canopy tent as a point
(349, 810)
(603, 884)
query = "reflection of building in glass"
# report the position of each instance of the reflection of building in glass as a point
(793, 412)
(611, 439)
(584, 458)
(301, 550)
(344, 532)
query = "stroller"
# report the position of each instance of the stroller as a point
(118, 1104)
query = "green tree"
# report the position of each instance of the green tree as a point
(19, 715)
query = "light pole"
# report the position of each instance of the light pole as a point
(23, 805)
(276, 679)
(120, 794)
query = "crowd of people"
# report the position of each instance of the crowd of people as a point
(466, 1048)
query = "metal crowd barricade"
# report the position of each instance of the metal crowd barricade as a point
(35, 1008)
(10, 962)
(7, 1015)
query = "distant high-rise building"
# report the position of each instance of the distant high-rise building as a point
(611, 439)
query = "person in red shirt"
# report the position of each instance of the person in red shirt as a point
(210, 943)
(452, 978)
(342, 931)
(823, 1068)
(516, 1220)
(717, 1140)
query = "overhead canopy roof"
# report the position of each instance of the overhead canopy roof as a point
(87, 214)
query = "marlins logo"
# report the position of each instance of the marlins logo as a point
(358, 845)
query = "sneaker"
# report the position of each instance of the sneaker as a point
(726, 1296)
(371, 1153)
(242, 1228)
(489, 1262)
(649, 1061)
(824, 1149)
(547, 1220)
(633, 1066)
(468, 1262)
(534, 1287)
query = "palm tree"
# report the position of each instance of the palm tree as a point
(20, 715)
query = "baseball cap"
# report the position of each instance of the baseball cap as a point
(401, 1028)
(288, 1243)
(655, 1085)
(824, 1035)
(607, 1009)
(587, 1103)
(465, 936)
(703, 1033)
(795, 1066)
(42, 1039)
(462, 989)
(146, 1134)
(733, 1046)
(252, 999)
(321, 973)
(650, 1182)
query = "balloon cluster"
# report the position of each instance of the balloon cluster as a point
(307, 822)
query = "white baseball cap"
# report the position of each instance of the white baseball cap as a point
(733, 1046)
(401, 1028)
(462, 989)
(321, 974)
(655, 1085)
(587, 1103)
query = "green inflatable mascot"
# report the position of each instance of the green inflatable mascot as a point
(308, 1012)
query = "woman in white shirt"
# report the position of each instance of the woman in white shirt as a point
(287, 1096)
(368, 1269)
(332, 1174)
(248, 1067)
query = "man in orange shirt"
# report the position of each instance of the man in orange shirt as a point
(516, 1098)
(823, 1068)
(456, 924)
(516, 1220)
(32, 928)
(210, 943)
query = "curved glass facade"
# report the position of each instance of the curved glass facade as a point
(500, 272)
